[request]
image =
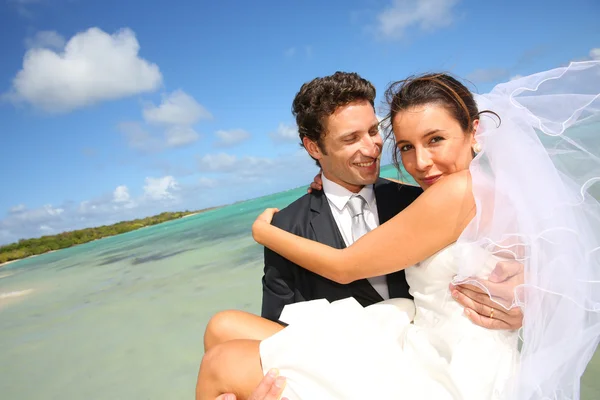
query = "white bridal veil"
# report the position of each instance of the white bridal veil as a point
(536, 184)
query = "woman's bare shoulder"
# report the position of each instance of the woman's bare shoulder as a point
(401, 182)
(452, 194)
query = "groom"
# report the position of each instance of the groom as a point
(338, 127)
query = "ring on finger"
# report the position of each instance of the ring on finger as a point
(492, 313)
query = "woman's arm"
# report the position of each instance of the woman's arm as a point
(432, 222)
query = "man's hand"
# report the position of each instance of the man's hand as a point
(484, 311)
(317, 183)
(270, 388)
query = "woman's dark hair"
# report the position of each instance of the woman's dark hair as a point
(319, 98)
(436, 88)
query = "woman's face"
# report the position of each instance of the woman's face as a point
(431, 143)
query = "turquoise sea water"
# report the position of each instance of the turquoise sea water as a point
(123, 317)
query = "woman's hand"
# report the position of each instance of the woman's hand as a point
(267, 215)
(262, 221)
(317, 183)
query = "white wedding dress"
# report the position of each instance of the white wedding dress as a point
(536, 184)
(341, 350)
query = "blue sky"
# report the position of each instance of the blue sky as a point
(114, 110)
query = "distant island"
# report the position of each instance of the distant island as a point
(32, 247)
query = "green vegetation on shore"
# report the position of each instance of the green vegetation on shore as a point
(31, 247)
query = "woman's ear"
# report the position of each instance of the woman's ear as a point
(474, 131)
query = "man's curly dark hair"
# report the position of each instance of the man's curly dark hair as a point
(319, 98)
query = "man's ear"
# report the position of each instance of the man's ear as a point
(312, 148)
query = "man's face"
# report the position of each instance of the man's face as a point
(352, 146)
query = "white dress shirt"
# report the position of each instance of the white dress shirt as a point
(337, 197)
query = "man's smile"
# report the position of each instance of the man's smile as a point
(367, 163)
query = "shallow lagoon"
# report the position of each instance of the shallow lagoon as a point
(123, 317)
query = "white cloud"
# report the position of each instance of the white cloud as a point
(514, 78)
(93, 67)
(178, 136)
(121, 201)
(53, 211)
(486, 75)
(256, 176)
(285, 133)
(121, 194)
(142, 139)
(21, 217)
(231, 137)
(46, 229)
(86, 206)
(46, 39)
(16, 209)
(159, 194)
(177, 108)
(175, 116)
(160, 188)
(252, 168)
(122, 198)
(241, 166)
(217, 162)
(249, 166)
(595, 53)
(425, 15)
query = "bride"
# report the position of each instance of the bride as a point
(517, 185)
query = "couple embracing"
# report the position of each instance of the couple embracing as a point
(503, 232)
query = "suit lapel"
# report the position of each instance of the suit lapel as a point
(384, 210)
(324, 226)
(327, 232)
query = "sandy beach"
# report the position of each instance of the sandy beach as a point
(10, 262)
(190, 215)
(35, 255)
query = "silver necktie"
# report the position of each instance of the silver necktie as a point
(356, 205)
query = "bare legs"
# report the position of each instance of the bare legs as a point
(231, 325)
(230, 367)
(231, 362)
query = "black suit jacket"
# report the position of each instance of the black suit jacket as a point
(310, 216)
